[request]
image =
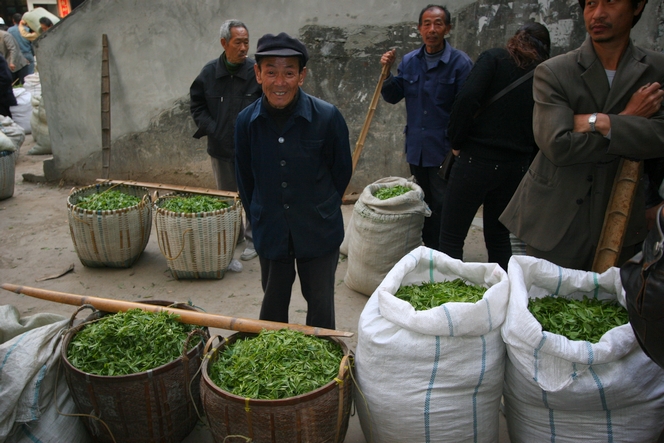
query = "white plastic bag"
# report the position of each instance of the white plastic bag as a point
(570, 390)
(434, 375)
(381, 232)
(22, 112)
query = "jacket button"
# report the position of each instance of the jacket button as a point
(579, 201)
(282, 162)
(284, 184)
(286, 206)
(280, 139)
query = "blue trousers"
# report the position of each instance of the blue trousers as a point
(474, 182)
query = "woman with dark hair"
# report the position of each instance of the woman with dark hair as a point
(491, 133)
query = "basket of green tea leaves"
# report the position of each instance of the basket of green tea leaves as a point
(277, 386)
(587, 319)
(109, 224)
(134, 376)
(197, 233)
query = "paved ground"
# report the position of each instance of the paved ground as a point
(36, 244)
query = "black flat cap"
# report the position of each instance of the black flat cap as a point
(282, 45)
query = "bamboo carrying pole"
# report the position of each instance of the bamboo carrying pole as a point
(105, 109)
(189, 317)
(617, 215)
(190, 189)
(367, 120)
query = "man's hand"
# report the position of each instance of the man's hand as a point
(645, 102)
(12, 67)
(388, 59)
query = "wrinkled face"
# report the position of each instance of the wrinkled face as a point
(236, 48)
(433, 30)
(610, 20)
(280, 78)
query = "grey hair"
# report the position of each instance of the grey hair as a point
(225, 30)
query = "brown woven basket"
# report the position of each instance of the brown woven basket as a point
(110, 238)
(151, 406)
(319, 416)
(7, 172)
(198, 245)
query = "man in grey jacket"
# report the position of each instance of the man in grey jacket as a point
(593, 106)
(224, 87)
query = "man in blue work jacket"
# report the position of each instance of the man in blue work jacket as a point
(429, 79)
(293, 164)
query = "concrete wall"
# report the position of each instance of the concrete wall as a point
(157, 48)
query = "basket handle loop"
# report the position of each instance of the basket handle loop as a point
(208, 345)
(196, 331)
(181, 249)
(343, 368)
(80, 308)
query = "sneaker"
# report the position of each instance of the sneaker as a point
(248, 254)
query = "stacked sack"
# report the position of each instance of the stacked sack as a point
(8, 155)
(433, 375)
(564, 390)
(381, 232)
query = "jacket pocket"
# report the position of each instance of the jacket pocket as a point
(445, 91)
(411, 85)
(330, 206)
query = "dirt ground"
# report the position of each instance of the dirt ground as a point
(36, 243)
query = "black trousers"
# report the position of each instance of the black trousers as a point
(434, 191)
(474, 182)
(316, 281)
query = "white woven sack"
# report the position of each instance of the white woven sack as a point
(30, 355)
(381, 232)
(13, 131)
(39, 126)
(564, 390)
(22, 112)
(435, 375)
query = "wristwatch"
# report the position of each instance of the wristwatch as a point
(592, 120)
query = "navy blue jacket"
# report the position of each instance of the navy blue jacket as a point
(291, 180)
(429, 96)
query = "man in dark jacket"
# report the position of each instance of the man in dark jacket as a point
(293, 164)
(7, 98)
(224, 87)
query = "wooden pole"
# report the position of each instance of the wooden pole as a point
(185, 316)
(105, 109)
(617, 215)
(359, 146)
(165, 187)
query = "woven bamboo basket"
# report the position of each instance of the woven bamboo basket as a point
(159, 405)
(319, 416)
(7, 172)
(198, 245)
(114, 238)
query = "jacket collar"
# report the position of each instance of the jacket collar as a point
(303, 108)
(445, 58)
(630, 68)
(244, 72)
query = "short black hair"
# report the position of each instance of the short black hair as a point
(635, 4)
(448, 18)
(45, 21)
(16, 18)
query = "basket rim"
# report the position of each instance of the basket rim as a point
(235, 202)
(195, 352)
(76, 191)
(265, 402)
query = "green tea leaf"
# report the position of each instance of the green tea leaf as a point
(194, 204)
(430, 295)
(107, 201)
(391, 191)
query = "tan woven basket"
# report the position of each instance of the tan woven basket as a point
(198, 245)
(151, 406)
(7, 173)
(319, 416)
(110, 238)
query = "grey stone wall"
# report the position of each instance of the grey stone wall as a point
(157, 48)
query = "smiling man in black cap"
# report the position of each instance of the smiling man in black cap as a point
(293, 164)
(593, 106)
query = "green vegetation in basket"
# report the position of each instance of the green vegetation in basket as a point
(107, 201)
(276, 364)
(129, 342)
(194, 204)
(392, 191)
(431, 295)
(586, 319)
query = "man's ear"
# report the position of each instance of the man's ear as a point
(639, 7)
(257, 72)
(302, 76)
